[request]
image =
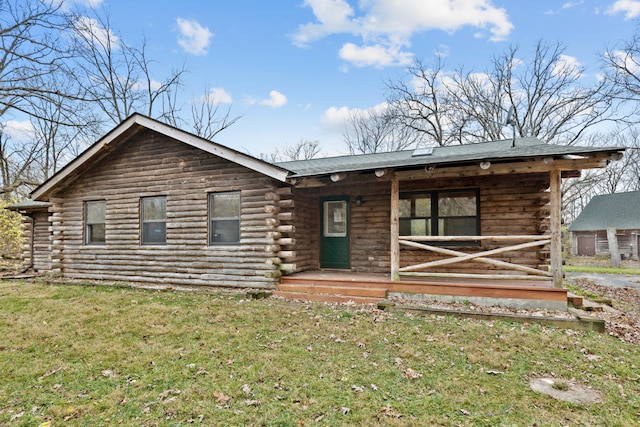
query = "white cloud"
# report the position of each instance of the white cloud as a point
(387, 26)
(193, 38)
(18, 130)
(217, 96)
(91, 31)
(335, 119)
(630, 8)
(68, 4)
(567, 66)
(628, 61)
(275, 100)
(376, 56)
(333, 16)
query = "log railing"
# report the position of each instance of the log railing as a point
(483, 256)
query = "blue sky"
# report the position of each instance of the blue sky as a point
(295, 68)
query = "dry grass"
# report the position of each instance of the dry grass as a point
(79, 355)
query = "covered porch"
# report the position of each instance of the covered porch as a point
(478, 223)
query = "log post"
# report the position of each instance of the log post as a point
(612, 240)
(555, 225)
(395, 229)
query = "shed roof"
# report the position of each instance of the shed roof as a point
(503, 150)
(619, 210)
(29, 205)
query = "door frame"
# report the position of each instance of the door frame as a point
(343, 241)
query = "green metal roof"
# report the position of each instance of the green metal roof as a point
(441, 156)
(620, 211)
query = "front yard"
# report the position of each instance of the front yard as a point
(87, 355)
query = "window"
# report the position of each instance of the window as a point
(94, 219)
(224, 218)
(440, 213)
(154, 220)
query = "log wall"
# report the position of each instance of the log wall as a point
(626, 240)
(155, 165)
(510, 205)
(369, 223)
(36, 252)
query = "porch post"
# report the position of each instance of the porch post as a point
(556, 227)
(395, 229)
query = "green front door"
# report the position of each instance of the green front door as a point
(334, 229)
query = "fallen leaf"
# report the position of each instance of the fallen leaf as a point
(411, 374)
(388, 412)
(221, 397)
(108, 373)
(18, 415)
(357, 388)
(246, 389)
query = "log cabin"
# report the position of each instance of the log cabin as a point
(606, 217)
(154, 205)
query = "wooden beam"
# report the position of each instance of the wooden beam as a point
(555, 224)
(479, 256)
(395, 229)
(474, 238)
(596, 161)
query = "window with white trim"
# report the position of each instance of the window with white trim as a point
(224, 218)
(153, 219)
(94, 220)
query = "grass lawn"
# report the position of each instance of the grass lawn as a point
(83, 355)
(598, 269)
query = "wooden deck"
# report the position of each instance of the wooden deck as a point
(334, 286)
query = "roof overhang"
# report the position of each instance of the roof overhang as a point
(493, 158)
(137, 123)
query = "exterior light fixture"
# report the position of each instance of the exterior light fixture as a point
(485, 165)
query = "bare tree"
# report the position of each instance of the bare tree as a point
(207, 116)
(305, 149)
(16, 166)
(622, 68)
(378, 130)
(420, 102)
(117, 76)
(61, 129)
(546, 93)
(31, 51)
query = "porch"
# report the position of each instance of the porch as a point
(366, 288)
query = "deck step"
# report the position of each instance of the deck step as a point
(356, 291)
(307, 296)
(574, 300)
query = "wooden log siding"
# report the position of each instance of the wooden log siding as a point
(510, 205)
(154, 165)
(41, 244)
(283, 232)
(369, 226)
(626, 240)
